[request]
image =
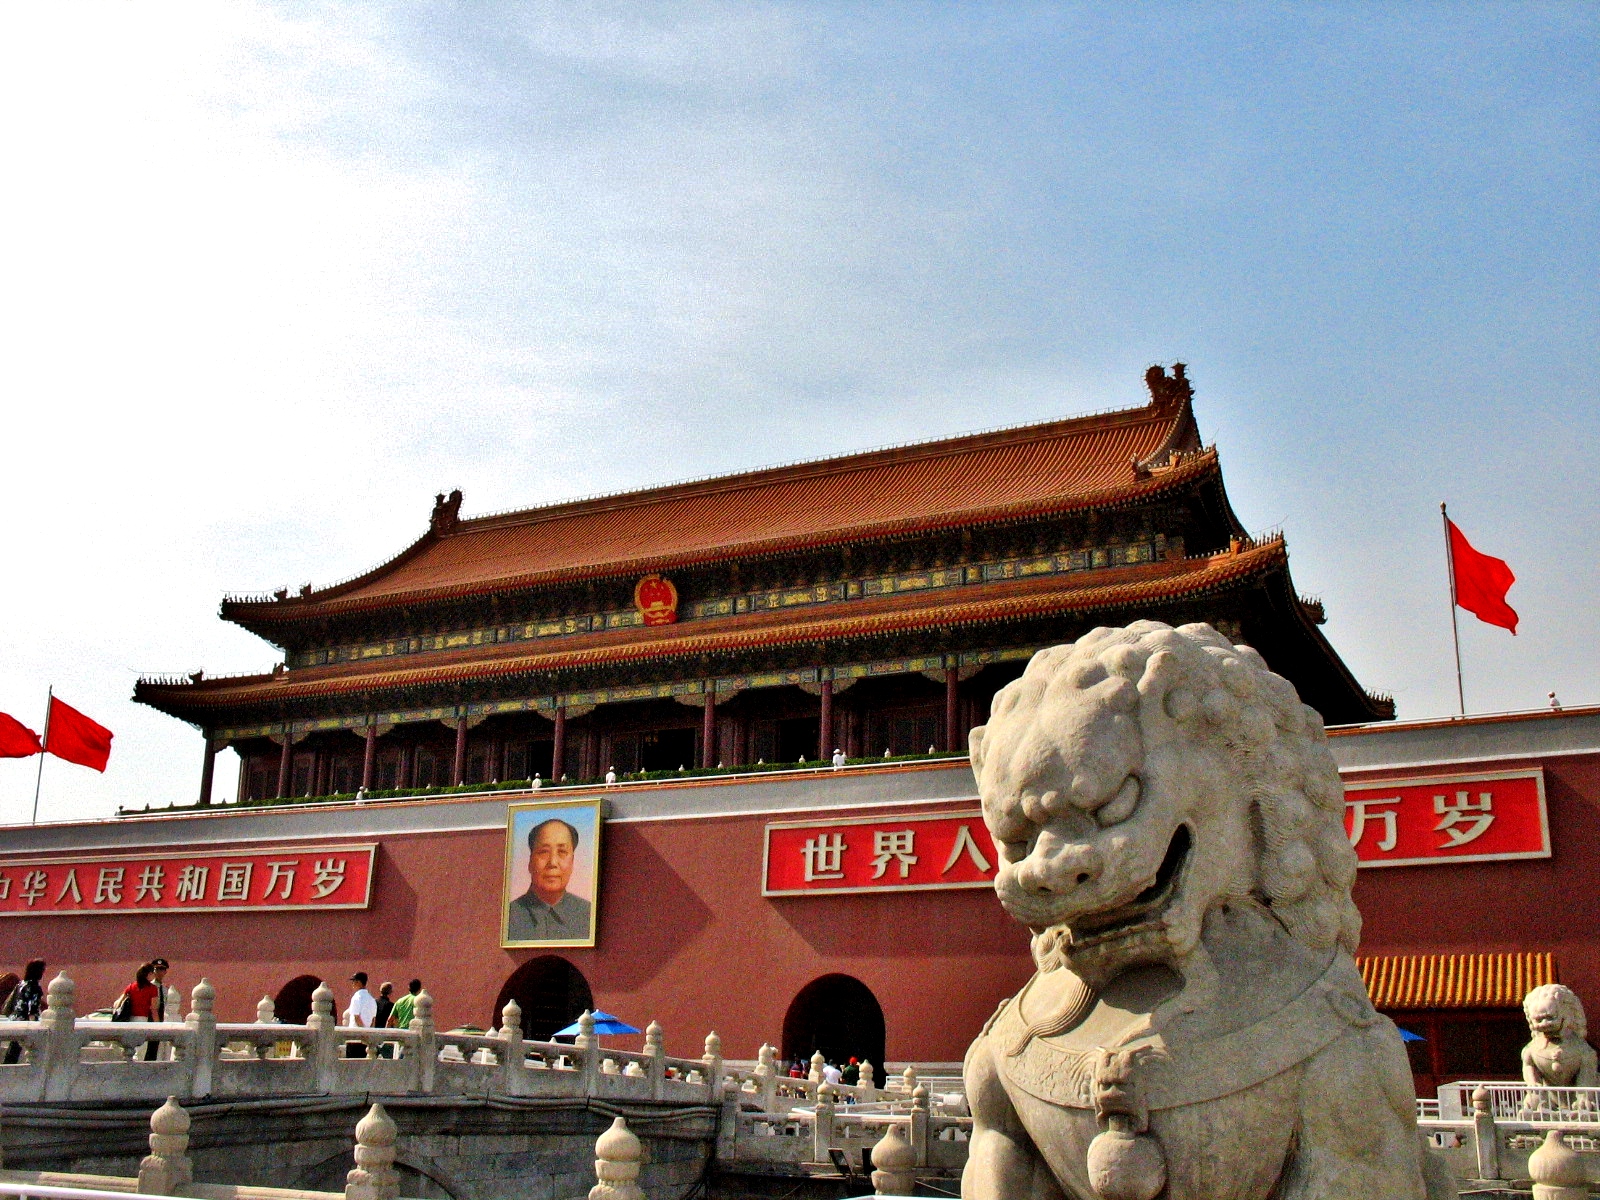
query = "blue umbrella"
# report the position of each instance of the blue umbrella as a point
(604, 1022)
(1407, 1036)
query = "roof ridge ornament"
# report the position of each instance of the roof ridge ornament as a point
(446, 513)
(1165, 391)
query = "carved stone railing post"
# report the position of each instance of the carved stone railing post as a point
(427, 1042)
(919, 1124)
(766, 1074)
(822, 1127)
(713, 1061)
(869, 1091)
(61, 1048)
(654, 1047)
(512, 1066)
(616, 1164)
(893, 1163)
(266, 1011)
(324, 1048)
(908, 1080)
(202, 1022)
(167, 1167)
(1485, 1138)
(374, 1177)
(588, 1052)
(817, 1063)
(1557, 1171)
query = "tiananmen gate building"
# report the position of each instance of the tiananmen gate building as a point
(743, 628)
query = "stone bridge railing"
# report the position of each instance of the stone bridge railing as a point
(65, 1059)
(771, 1119)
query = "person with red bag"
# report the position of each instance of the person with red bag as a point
(139, 999)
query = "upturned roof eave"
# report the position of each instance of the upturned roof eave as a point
(264, 617)
(1222, 572)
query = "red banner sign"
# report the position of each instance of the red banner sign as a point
(879, 854)
(1457, 818)
(283, 877)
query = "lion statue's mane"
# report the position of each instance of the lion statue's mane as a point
(1565, 1001)
(1227, 694)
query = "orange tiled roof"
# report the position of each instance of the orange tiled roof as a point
(1106, 590)
(1054, 467)
(1455, 980)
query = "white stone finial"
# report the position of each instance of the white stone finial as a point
(374, 1177)
(167, 1167)
(511, 1018)
(423, 1009)
(266, 1011)
(322, 1001)
(713, 1045)
(1557, 1171)
(60, 999)
(817, 1063)
(866, 1075)
(652, 1038)
(908, 1079)
(894, 1164)
(203, 999)
(767, 1056)
(585, 1038)
(616, 1164)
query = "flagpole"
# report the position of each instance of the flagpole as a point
(1455, 622)
(44, 741)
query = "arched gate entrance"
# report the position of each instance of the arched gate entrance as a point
(838, 1015)
(551, 992)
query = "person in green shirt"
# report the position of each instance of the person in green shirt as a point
(405, 1007)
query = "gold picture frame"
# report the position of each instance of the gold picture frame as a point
(565, 860)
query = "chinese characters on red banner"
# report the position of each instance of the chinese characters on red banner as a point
(298, 877)
(1471, 818)
(951, 850)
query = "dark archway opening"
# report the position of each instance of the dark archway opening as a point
(292, 1004)
(838, 1015)
(551, 992)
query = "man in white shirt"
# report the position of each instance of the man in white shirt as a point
(831, 1074)
(362, 1012)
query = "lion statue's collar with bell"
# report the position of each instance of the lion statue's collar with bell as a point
(1170, 827)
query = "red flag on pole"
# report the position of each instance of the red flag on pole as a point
(70, 735)
(1481, 582)
(16, 739)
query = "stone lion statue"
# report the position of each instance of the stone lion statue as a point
(1170, 827)
(1558, 1053)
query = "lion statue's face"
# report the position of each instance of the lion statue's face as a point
(1554, 1011)
(1136, 778)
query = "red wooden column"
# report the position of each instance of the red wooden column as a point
(408, 766)
(708, 728)
(208, 769)
(283, 760)
(369, 756)
(458, 773)
(558, 751)
(825, 723)
(952, 709)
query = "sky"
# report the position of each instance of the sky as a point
(274, 274)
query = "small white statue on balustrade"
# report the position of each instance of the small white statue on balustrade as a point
(1558, 1055)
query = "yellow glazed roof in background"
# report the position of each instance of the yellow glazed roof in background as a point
(1455, 980)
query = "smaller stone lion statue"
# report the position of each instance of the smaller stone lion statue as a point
(1170, 826)
(1558, 1054)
